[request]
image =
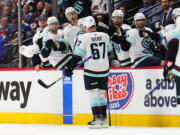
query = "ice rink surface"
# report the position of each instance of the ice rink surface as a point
(14, 129)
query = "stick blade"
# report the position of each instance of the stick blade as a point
(42, 83)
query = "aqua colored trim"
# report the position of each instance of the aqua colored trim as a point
(96, 75)
(176, 72)
(125, 63)
(79, 51)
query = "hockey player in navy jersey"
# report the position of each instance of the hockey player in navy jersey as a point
(172, 65)
(96, 69)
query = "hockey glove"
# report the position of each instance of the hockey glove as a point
(154, 46)
(167, 73)
(68, 71)
(59, 46)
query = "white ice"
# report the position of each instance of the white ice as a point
(21, 129)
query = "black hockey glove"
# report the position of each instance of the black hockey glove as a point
(154, 46)
(39, 43)
(49, 43)
(68, 71)
(167, 73)
(59, 46)
(148, 34)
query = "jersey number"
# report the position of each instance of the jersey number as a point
(98, 50)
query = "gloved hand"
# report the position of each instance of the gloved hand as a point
(154, 46)
(167, 74)
(59, 46)
(145, 33)
(49, 44)
(68, 71)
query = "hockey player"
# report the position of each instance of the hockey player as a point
(55, 48)
(34, 50)
(96, 69)
(37, 59)
(172, 65)
(117, 32)
(71, 31)
(142, 45)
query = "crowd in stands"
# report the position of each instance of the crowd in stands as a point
(32, 9)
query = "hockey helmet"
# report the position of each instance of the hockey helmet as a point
(52, 19)
(139, 16)
(176, 13)
(89, 22)
(117, 13)
(81, 21)
(69, 10)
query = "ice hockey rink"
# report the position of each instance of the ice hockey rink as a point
(20, 129)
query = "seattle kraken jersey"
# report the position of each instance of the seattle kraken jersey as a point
(70, 34)
(123, 56)
(97, 45)
(139, 49)
(39, 34)
(57, 58)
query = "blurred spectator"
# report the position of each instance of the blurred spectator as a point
(4, 23)
(100, 9)
(2, 49)
(124, 9)
(147, 4)
(6, 11)
(166, 15)
(47, 8)
(61, 15)
(12, 34)
(27, 15)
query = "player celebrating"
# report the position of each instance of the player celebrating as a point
(117, 32)
(96, 69)
(71, 31)
(55, 48)
(142, 44)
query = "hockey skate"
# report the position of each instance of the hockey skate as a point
(95, 123)
(103, 122)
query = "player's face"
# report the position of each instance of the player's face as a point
(140, 23)
(72, 17)
(42, 23)
(54, 27)
(165, 4)
(118, 21)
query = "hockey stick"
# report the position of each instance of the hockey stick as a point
(154, 89)
(48, 86)
(109, 114)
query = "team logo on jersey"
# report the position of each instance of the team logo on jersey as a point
(121, 89)
(57, 44)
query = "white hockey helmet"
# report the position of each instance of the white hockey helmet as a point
(117, 13)
(69, 10)
(176, 13)
(52, 19)
(139, 16)
(89, 22)
(81, 21)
